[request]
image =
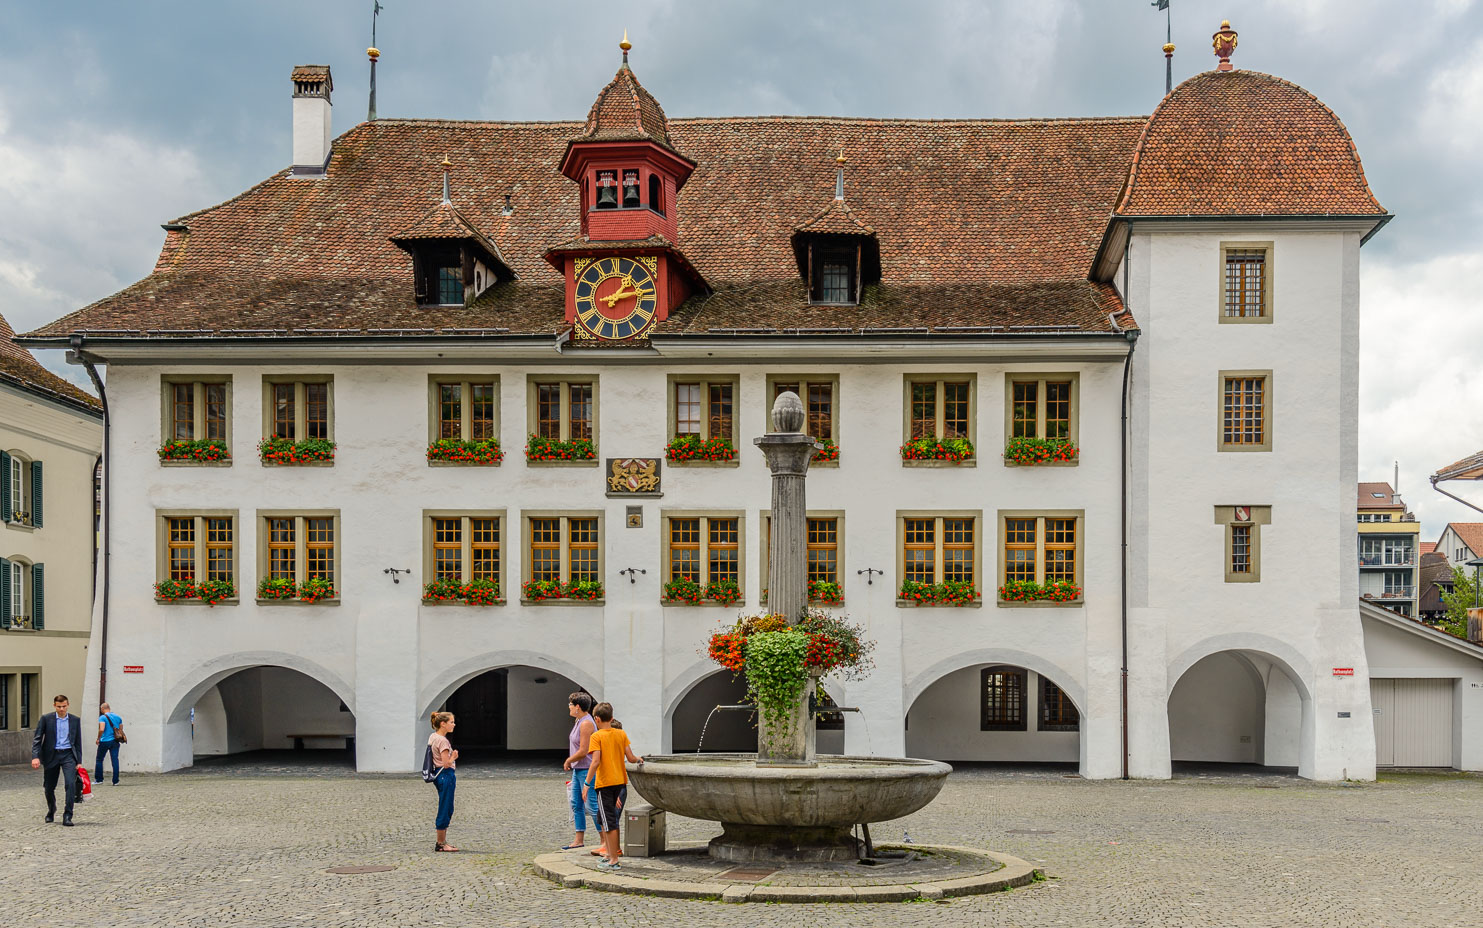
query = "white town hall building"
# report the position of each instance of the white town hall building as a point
(307, 393)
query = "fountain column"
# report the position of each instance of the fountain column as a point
(788, 452)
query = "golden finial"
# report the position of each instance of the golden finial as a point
(446, 163)
(373, 53)
(1224, 24)
(625, 44)
(1168, 48)
(841, 159)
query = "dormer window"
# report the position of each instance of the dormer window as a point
(833, 278)
(450, 286)
(607, 190)
(631, 189)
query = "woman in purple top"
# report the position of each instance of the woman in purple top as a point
(579, 707)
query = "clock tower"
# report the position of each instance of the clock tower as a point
(625, 273)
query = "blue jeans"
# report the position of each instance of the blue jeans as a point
(106, 749)
(446, 782)
(579, 813)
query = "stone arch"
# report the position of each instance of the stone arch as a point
(1069, 683)
(449, 680)
(1282, 655)
(192, 685)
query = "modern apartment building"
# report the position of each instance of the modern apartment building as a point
(1389, 542)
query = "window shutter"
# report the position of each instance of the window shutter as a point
(38, 597)
(36, 493)
(5, 512)
(5, 590)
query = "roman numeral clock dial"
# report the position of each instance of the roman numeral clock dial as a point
(615, 299)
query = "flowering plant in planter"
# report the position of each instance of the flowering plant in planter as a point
(586, 590)
(828, 450)
(931, 449)
(316, 588)
(212, 592)
(947, 593)
(441, 590)
(724, 592)
(825, 591)
(682, 590)
(480, 592)
(174, 590)
(695, 448)
(181, 449)
(288, 451)
(537, 590)
(276, 588)
(550, 449)
(466, 451)
(1040, 451)
(1025, 591)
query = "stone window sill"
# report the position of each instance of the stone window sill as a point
(459, 602)
(189, 463)
(731, 463)
(1040, 604)
(232, 601)
(703, 604)
(329, 463)
(436, 463)
(563, 602)
(20, 526)
(971, 462)
(911, 604)
(298, 602)
(1045, 464)
(586, 462)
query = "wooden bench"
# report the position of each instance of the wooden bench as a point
(298, 739)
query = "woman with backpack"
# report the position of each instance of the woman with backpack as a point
(438, 769)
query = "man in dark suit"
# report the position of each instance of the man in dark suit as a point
(57, 746)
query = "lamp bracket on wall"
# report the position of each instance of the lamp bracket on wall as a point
(870, 574)
(393, 571)
(630, 571)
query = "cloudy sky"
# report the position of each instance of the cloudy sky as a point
(115, 117)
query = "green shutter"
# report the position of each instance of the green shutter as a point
(38, 597)
(5, 512)
(5, 590)
(36, 493)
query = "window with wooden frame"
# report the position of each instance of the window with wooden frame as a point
(463, 406)
(22, 593)
(21, 489)
(564, 547)
(297, 407)
(1245, 411)
(197, 545)
(563, 409)
(823, 547)
(5, 685)
(1002, 698)
(463, 546)
(939, 547)
(1246, 282)
(820, 396)
(703, 406)
(1243, 541)
(1057, 711)
(702, 546)
(1042, 405)
(300, 546)
(834, 274)
(196, 408)
(940, 407)
(1041, 547)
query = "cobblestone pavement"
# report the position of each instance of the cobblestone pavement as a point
(249, 846)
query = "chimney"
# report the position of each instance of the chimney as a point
(312, 86)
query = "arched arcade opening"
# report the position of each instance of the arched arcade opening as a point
(1236, 707)
(996, 713)
(517, 709)
(270, 708)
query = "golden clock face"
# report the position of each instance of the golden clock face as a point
(616, 298)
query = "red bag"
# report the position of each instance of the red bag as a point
(86, 780)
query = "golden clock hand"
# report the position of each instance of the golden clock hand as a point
(612, 298)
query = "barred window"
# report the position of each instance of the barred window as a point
(1057, 712)
(1245, 279)
(1240, 549)
(1244, 414)
(1003, 696)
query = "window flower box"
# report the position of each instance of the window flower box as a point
(724, 592)
(281, 589)
(549, 449)
(172, 591)
(212, 592)
(828, 451)
(181, 449)
(683, 448)
(465, 451)
(825, 591)
(683, 590)
(580, 590)
(481, 592)
(278, 451)
(276, 588)
(586, 590)
(537, 590)
(316, 588)
(1028, 591)
(947, 593)
(950, 450)
(1025, 452)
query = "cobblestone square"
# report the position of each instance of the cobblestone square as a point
(249, 844)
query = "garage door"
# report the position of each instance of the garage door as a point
(1413, 722)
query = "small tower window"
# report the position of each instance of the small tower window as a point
(607, 190)
(833, 275)
(630, 189)
(834, 282)
(656, 202)
(450, 286)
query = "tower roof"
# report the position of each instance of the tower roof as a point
(625, 112)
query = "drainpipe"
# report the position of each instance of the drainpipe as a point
(78, 356)
(1127, 371)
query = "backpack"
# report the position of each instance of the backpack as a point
(429, 770)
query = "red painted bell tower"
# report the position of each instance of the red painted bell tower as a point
(630, 175)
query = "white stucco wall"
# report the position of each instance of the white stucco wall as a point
(1398, 651)
(944, 724)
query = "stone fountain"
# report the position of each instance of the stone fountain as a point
(785, 803)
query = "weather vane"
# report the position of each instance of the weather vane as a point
(1163, 6)
(373, 53)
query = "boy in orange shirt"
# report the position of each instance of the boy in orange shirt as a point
(609, 747)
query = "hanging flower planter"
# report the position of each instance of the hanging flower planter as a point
(287, 451)
(550, 449)
(947, 593)
(1028, 591)
(208, 451)
(950, 450)
(683, 448)
(465, 451)
(1031, 451)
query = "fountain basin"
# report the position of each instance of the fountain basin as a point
(787, 813)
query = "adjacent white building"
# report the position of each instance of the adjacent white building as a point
(1173, 297)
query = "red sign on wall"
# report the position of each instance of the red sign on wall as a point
(133, 668)
(1343, 671)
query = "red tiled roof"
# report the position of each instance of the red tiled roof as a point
(310, 72)
(1386, 499)
(1245, 143)
(20, 368)
(1429, 547)
(979, 222)
(1469, 468)
(836, 219)
(625, 111)
(1471, 534)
